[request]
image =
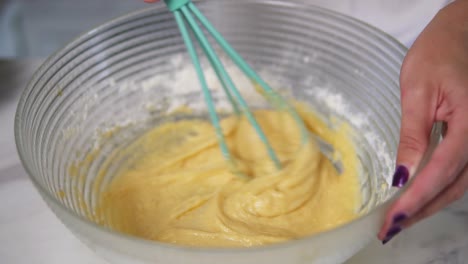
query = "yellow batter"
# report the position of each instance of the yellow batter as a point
(182, 190)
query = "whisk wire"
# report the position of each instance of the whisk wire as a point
(222, 75)
(184, 12)
(201, 77)
(245, 67)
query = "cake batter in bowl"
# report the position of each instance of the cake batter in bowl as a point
(116, 83)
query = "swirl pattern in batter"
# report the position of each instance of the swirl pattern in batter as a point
(182, 190)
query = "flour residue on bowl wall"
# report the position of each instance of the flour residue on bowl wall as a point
(185, 79)
(179, 89)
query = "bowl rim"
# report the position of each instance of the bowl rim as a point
(56, 56)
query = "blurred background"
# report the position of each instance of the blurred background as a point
(37, 28)
(30, 31)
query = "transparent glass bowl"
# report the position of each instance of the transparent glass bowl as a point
(105, 80)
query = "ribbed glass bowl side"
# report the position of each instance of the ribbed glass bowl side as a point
(97, 95)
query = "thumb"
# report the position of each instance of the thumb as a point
(418, 105)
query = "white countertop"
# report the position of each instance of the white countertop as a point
(30, 232)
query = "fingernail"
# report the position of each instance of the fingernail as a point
(391, 234)
(400, 177)
(398, 218)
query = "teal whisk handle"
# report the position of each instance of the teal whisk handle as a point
(174, 5)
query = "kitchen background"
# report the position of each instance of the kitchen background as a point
(37, 28)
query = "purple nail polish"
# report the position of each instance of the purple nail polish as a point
(400, 177)
(398, 218)
(394, 230)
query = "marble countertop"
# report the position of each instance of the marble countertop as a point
(30, 232)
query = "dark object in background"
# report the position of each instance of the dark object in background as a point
(14, 75)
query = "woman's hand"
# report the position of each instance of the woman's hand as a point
(434, 87)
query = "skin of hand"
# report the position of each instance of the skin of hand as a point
(434, 87)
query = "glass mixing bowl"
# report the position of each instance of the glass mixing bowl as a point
(115, 82)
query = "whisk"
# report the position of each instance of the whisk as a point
(186, 13)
